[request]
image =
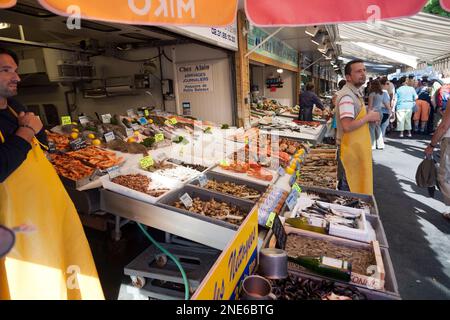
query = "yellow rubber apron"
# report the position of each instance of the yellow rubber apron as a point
(54, 261)
(356, 157)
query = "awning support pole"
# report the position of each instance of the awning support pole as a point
(264, 41)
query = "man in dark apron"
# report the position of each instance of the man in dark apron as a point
(307, 101)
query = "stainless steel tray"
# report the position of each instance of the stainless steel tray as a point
(223, 178)
(364, 197)
(169, 199)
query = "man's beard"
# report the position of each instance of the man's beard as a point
(8, 93)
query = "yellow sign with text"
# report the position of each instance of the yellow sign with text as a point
(7, 3)
(148, 12)
(235, 262)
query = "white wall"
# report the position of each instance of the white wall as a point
(217, 105)
(285, 95)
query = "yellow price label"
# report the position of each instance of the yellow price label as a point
(297, 188)
(173, 121)
(146, 162)
(146, 113)
(167, 122)
(66, 120)
(159, 137)
(270, 220)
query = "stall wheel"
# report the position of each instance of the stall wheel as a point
(138, 281)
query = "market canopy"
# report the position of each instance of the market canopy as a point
(223, 12)
(423, 37)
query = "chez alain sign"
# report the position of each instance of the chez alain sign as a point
(195, 78)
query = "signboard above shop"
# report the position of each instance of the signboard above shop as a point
(273, 48)
(222, 37)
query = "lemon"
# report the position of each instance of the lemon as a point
(74, 135)
(75, 130)
(131, 140)
(289, 170)
(150, 121)
(74, 123)
(96, 142)
(91, 136)
(136, 133)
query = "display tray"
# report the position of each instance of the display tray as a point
(224, 178)
(390, 282)
(157, 182)
(369, 199)
(370, 294)
(204, 195)
(245, 177)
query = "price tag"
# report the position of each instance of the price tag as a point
(109, 136)
(161, 157)
(51, 147)
(66, 120)
(173, 121)
(246, 140)
(297, 188)
(280, 233)
(281, 171)
(297, 173)
(146, 113)
(83, 120)
(159, 137)
(187, 200)
(224, 163)
(146, 162)
(135, 126)
(130, 132)
(131, 113)
(140, 113)
(269, 222)
(113, 172)
(167, 123)
(202, 180)
(77, 144)
(106, 118)
(292, 179)
(291, 200)
(143, 121)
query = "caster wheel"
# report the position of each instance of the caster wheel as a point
(138, 281)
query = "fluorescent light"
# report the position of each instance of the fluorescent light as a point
(4, 25)
(280, 70)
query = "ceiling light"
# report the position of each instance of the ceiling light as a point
(4, 25)
(280, 70)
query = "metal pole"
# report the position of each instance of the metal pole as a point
(264, 41)
(313, 63)
(175, 82)
(22, 34)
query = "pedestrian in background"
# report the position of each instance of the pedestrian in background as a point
(406, 98)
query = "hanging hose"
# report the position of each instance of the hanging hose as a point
(183, 273)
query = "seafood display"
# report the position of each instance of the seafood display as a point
(215, 209)
(96, 157)
(172, 171)
(338, 217)
(70, 168)
(252, 170)
(61, 142)
(297, 288)
(360, 258)
(319, 169)
(240, 191)
(140, 183)
(340, 200)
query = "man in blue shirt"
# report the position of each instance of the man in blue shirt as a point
(307, 101)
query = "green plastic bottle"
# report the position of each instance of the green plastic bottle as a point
(329, 267)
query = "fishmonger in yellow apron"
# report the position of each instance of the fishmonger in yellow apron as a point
(356, 157)
(54, 261)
